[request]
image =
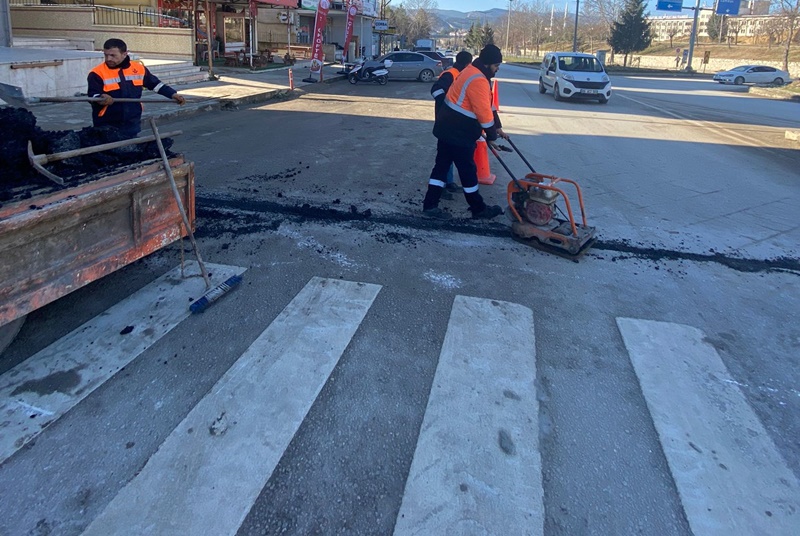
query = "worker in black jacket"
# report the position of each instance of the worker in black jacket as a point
(438, 92)
(467, 114)
(120, 77)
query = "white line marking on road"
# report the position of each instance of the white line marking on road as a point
(208, 473)
(477, 468)
(48, 384)
(729, 474)
(721, 130)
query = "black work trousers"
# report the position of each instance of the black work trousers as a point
(463, 158)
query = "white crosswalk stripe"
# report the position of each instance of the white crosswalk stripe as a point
(730, 476)
(40, 390)
(223, 453)
(476, 465)
(477, 469)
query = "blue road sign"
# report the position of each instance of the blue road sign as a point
(669, 5)
(727, 7)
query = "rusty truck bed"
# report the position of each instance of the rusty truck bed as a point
(57, 242)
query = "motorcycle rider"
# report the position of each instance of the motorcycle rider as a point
(467, 113)
(438, 92)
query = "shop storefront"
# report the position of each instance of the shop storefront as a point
(279, 28)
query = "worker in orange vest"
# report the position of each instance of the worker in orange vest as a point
(467, 113)
(438, 92)
(120, 77)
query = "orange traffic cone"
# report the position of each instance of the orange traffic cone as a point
(481, 158)
(496, 95)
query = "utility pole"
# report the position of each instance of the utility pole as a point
(575, 33)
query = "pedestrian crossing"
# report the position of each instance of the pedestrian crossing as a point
(477, 464)
(47, 385)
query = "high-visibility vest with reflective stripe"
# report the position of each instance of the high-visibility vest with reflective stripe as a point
(439, 89)
(111, 77)
(452, 70)
(134, 74)
(471, 95)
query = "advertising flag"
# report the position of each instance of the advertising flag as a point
(319, 29)
(352, 9)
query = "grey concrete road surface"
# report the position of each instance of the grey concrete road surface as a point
(651, 388)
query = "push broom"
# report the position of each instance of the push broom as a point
(212, 294)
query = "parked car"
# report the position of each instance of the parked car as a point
(438, 56)
(753, 74)
(412, 65)
(574, 75)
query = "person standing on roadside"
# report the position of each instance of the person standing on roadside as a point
(466, 114)
(438, 92)
(120, 77)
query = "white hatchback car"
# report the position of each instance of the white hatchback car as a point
(753, 74)
(574, 75)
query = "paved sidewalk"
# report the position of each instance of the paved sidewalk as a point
(235, 87)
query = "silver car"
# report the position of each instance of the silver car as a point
(753, 74)
(412, 65)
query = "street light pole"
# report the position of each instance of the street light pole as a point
(508, 26)
(575, 33)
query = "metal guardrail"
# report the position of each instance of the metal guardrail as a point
(143, 16)
(114, 16)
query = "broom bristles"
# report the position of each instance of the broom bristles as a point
(214, 294)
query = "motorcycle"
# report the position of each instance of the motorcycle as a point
(370, 71)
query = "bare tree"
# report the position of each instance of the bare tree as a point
(789, 12)
(412, 18)
(607, 11)
(735, 27)
(772, 29)
(671, 32)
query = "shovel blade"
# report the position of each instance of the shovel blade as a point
(13, 95)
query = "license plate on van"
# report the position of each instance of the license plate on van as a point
(590, 91)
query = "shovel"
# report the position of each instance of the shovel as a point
(38, 160)
(13, 95)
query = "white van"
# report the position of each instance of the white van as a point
(574, 75)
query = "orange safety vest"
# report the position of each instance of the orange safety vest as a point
(111, 78)
(453, 71)
(471, 95)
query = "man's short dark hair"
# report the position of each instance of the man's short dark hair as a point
(115, 43)
(463, 59)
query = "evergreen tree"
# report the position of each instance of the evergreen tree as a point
(717, 29)
(631, 31)
(474, 37)
(488, 35)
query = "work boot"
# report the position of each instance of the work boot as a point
(488, 212)
(447, 196)
(436, 213)
(453, 187)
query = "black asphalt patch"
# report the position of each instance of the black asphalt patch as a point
(251, 216)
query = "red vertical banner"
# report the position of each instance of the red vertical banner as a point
(253, 9)
(319, 30)
(348, 29)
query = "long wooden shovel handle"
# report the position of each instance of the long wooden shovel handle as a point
(55, 157)
(95, 99)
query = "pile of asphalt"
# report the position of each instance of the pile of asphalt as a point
(19, 179)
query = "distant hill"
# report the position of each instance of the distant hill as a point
(448, 20)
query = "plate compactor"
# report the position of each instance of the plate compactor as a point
(537, 217)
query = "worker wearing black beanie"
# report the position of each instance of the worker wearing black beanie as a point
(491, 55)
(466, 115)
